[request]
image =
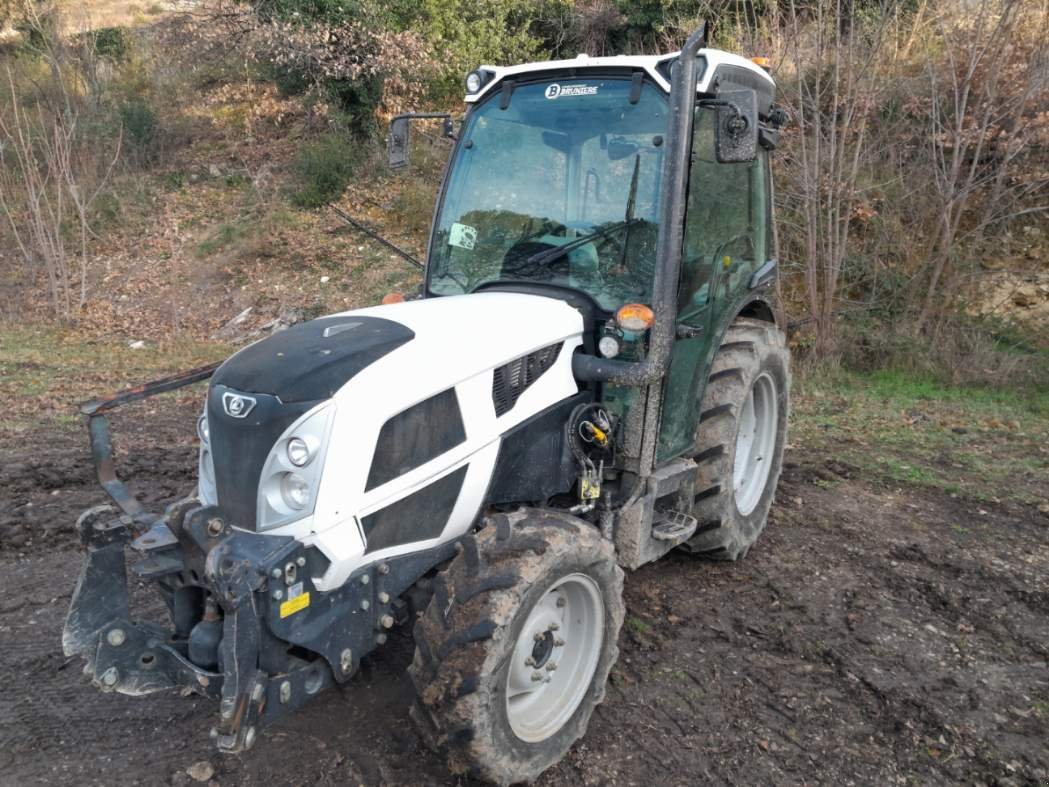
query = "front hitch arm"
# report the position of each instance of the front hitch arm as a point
(102, 446)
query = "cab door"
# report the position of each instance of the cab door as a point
(726, 237)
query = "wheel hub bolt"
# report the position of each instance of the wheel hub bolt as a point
(554, 627)
(215, 527)
(384, 597)
(560, 601)
(559, 643)
(538, 636)
(116, 637)
(387, 621)
(275, 573)
(278, 595)
(537, 676)
(110, 677)
(529, 662)
(551, 667)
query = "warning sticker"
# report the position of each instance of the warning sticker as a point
(295, 604)
(462, 235)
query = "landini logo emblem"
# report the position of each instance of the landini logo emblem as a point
(237, 405)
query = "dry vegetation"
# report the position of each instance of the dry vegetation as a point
(165, 167)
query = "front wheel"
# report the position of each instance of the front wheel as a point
(740, 439)
(514, 650)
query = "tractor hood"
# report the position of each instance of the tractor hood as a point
(373, 364)
(453, 337)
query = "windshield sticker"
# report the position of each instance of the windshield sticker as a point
(462, 235)
(556, 91)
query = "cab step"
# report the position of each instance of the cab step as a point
(675, 526)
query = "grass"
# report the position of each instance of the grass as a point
(972, 441)
(46, 372)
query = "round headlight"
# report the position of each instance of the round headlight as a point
(608, 346)
(295, 490)
(299, 453)
(473, 82)
(202, 428)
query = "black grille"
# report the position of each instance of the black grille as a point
(415, 436)
(510, 380)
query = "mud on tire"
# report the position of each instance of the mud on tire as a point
(752, 350)
(465, 641)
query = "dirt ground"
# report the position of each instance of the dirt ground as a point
(875, 635)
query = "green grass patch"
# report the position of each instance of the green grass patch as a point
(979, 442)
(46, 372)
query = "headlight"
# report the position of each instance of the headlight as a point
(206, 490)
(474, 82)
(291, 475)
(207, 469)
(295, 490)
(299, 453)
(608, 346)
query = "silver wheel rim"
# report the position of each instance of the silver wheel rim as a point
(755, 443)
(555, 658)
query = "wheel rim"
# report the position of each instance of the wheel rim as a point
(755, 443)
(555, 657)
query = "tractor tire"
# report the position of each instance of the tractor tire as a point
(530, 609)
(740, 438)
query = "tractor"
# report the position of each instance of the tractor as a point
(592, 375)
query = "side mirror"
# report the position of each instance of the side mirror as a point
(398, 143)
(736, 135)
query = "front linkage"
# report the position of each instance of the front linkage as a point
(248, 626)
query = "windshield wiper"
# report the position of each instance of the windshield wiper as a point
(549, 255)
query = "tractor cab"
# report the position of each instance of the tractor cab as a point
(563, 178)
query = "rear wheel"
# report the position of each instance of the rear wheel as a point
(514, 650)
(740, 439)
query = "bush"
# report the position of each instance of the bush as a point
(141, 127)
(113, 43)
(324, 169)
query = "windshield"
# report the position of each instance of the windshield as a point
(568, 164)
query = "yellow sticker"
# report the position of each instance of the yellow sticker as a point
(293, 605)
(588, 489)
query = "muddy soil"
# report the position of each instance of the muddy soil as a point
(875, 635)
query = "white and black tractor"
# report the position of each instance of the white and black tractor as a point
(592, 376)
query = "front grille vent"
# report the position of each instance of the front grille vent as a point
(510, 380)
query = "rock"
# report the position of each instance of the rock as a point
(214, 171)
(136, 345)
(201, 771)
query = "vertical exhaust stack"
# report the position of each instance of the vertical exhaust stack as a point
(684, 76)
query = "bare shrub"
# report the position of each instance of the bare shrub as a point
(836, 74)
(52, 171)
(988, 82)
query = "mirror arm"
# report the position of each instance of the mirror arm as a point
(720, 102)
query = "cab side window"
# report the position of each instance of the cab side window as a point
(726, 219)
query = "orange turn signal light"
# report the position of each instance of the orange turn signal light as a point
(393, 297)
(764, 62)
(635, 317)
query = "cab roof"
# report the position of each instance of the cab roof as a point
(719, 65)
